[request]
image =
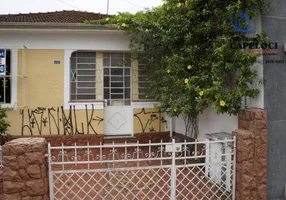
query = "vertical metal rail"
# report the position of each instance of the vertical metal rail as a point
(88, 154)
(100, 152)
(234, 168)
(173, 172)
(185, 151)
(125, 152)
(51, 181)
(161, 153)
(137, 153)
(75, 154)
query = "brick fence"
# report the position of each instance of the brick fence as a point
(251, 167)
(24, 174)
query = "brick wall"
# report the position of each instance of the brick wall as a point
(68, 140)
(251, 168)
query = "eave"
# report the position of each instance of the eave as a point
(55, 26)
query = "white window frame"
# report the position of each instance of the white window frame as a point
(14, 78)
(67, 103)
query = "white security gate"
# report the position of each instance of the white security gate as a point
(118, 112)
(118, 120)
(142, 171)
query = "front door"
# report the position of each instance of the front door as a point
(117, 94)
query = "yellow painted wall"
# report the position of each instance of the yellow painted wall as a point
(148, 120)
(41, 85)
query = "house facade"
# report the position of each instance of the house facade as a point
(67, 77)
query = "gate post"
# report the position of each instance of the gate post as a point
(25, 170)
(173, 171)
(251, 150)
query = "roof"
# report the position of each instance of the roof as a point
(65, 16)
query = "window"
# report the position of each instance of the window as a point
(144, 69)
(83, 76)
(117, 78)
(5, 81)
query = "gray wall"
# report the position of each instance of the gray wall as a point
(274, 24)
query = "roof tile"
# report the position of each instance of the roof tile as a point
(65, 16)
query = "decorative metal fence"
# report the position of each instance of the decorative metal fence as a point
(187, 170)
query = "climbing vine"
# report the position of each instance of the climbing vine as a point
(189, 43)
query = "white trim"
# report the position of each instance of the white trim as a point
(14, 55)
(67, 78)
(14, 72)
(143, 104)
(69, 40)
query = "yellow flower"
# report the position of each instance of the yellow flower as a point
(201, 93)
(153, 106)
(107, 19)
(168, 71)
(175, 110)
(222, 103)
(190, 67)
(186, 80)
(147, 30)
(123, 25)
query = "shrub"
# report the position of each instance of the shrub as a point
(4, 125)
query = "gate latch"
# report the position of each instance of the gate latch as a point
(177, 148)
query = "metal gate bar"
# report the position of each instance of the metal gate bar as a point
(165, 170)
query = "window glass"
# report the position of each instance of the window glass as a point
(5, 81)
(144, 69)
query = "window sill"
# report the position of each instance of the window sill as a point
(9, 106)
(99, 105)
(82, 105)
(86, 101)
(143, 104)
